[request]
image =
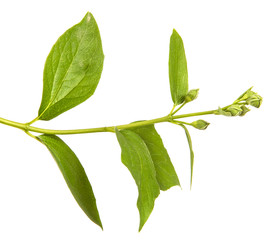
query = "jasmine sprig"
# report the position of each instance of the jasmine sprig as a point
(72, 72)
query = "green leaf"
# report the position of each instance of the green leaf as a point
(72, 69)
(191, 152)
(74, 175)
(178, 74)
(165, 172)
(136, 157)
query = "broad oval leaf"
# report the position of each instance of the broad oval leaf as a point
(72, 69)
(136, 157)
(165, 172)
(178, 74)
(74, 175)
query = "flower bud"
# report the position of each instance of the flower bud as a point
(245, 110)
(220, 111)
(234, 109)
(191, 95)
(255, 100)
(200, 124)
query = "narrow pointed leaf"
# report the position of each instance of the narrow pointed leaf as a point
(178, 74)
(74, 175)
(72, 69)
(136, 157)
(191, 152)
(165, 172)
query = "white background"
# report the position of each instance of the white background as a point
(230, 46)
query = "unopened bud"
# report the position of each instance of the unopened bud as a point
(255, 100)
(200, 124)
(245, 110)
(191, 95)
(220, 111)
(234, 109)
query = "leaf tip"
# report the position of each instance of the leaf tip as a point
(88, 16)
(176, 35)
(100, 225)
(98, 222)
(175, 31)
(141, 224)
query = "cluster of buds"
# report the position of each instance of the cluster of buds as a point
(251, 98)
(233, 110)
(238, 108)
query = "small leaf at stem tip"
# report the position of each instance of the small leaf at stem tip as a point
(72, 69)
(246, 94)
(136, 157)
(74, 175)
(178, 74)
(200, 124)
(191, 152)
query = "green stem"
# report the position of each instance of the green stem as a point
(28, 128)
(181, 122)
(194, 114)
(33, 121)
(178, 108)
(172, 110)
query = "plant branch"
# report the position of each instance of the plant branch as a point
(26, 127)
